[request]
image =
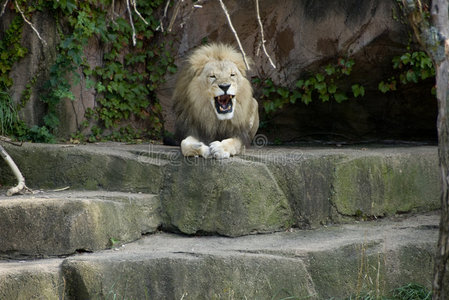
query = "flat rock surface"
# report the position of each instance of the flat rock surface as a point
(321, 263)
(394, 231)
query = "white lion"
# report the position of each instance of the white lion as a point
(216, 114)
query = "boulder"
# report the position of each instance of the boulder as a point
(66, 222)
(229, 197)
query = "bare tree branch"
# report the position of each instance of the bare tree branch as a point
(262, 35)
(235, 34)
(3, 8)
(131, 21)
(20, 187)
(161, 20)
(133, 3)
(175, 13)
(29, 23)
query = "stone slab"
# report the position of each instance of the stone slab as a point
(335, 261)
(88, 167)
(267, 189)
(229, 197)
(61, 223)
(31, 280)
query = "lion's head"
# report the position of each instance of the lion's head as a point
(212, 92)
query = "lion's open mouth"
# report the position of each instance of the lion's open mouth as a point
(223, 104)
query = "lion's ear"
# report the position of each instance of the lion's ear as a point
(242, 66)
(237, 58)
(196, 65)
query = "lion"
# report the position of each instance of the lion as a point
(216, 114)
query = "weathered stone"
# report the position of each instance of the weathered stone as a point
(63, 223)
(328, 185)
(306, 179)
(229, 197)
(34, 68)
(174, 276)
(265, 190)
(31, 280)
(387, 182)
(330, 262)
(107, 166)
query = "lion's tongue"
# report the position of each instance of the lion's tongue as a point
(223, 100)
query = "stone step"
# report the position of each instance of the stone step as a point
(266, 190)
(61, 223)
(333, 261)
(23, 280)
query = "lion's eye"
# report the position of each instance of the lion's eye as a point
(212, 76)
(232, 74)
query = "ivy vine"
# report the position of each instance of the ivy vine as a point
(322, 85)
(411, 67)
(125, 83)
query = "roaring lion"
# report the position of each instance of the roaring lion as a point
(216, 114)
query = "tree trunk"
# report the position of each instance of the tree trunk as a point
(433, 35)
(442, 253)
(440, 56)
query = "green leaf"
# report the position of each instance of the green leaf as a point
(324, 97)
(332, 89)
(411, 76)
(321, 87)
(307, 97)
(358, 90)
(300, 84)
(330, 69)
(383, 87)
(340, 97)
(319, 77)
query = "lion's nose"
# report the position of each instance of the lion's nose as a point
(224, 87)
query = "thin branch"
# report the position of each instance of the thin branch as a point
(175, 14)
(235, 34)
(3, 8)
(29, 23)
(130, 21)
(20, 187)
(262, 35)
(133, 2)
(161, 23)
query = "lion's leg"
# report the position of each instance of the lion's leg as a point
(190, 146)
(226, 148)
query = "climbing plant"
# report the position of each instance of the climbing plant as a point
(413, 67)
(322, 86)
(133, 65)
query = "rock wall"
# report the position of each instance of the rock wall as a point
(301, 37)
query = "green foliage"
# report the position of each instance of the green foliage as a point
(125, 83)
(410, 291)
(10, 51)
(412, 66)
(323, 86)
(8, 114)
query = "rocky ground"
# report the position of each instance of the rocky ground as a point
(141, 222)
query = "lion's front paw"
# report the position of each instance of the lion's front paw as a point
(202, 149)
(217, 150)
(190, 146)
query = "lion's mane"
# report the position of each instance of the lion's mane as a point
(194, 113)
